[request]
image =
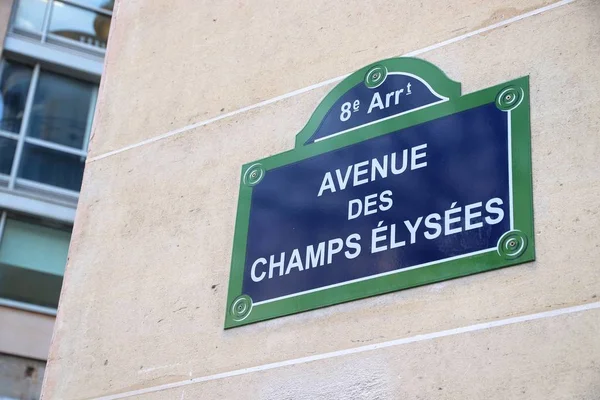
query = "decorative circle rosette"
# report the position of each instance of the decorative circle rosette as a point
(509, 98)
(375, 76)
(254, 174)
(512, 244)
(241, 308)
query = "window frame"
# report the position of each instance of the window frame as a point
(20, 304)
(63, 56)
(45, 37)
(18, 184)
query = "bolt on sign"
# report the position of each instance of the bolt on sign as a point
(397, 180)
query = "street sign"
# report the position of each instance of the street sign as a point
(396, 181)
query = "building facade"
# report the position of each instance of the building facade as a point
(192, 91)
(52, 59)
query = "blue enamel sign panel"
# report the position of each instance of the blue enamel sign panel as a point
(395, 182)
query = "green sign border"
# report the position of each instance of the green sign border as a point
(515, 247)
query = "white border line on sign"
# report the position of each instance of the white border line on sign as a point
(397, 271)
(330, 81)
(361, 349)
(441, 98)
(510, 174)
(381, 120)
(366, 278)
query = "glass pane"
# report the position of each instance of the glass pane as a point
(51, 167)
(14, 84)
(28, 286)
(32, 261)
(7, 153)
(105, 4)
(81, 25)
(60, 110)
(30, 15)
(33, 246)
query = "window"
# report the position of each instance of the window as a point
(83, 24)
(45, 119)
(33, 254)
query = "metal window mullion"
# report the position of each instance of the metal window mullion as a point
(31, 203)
(81, 45)
(47, 16)
(54, 146)
(90, 119)
(2, 224)
(9, 135)
(27, 307)
(24, 124)
(88, 7)
(26, 183)
(13, 15)
(67, 61)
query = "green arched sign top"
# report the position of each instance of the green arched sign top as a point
(385, 89)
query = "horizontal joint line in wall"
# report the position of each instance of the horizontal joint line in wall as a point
(329, 81)
(361, 349)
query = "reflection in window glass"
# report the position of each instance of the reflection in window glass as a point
(7, 154)
(30, 15)
(32, 261)
(51, 167)
(60, 110)
(80, 25)
(105, 4)
(14, 84)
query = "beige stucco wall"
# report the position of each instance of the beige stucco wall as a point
(5, 7)
(145, 286)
